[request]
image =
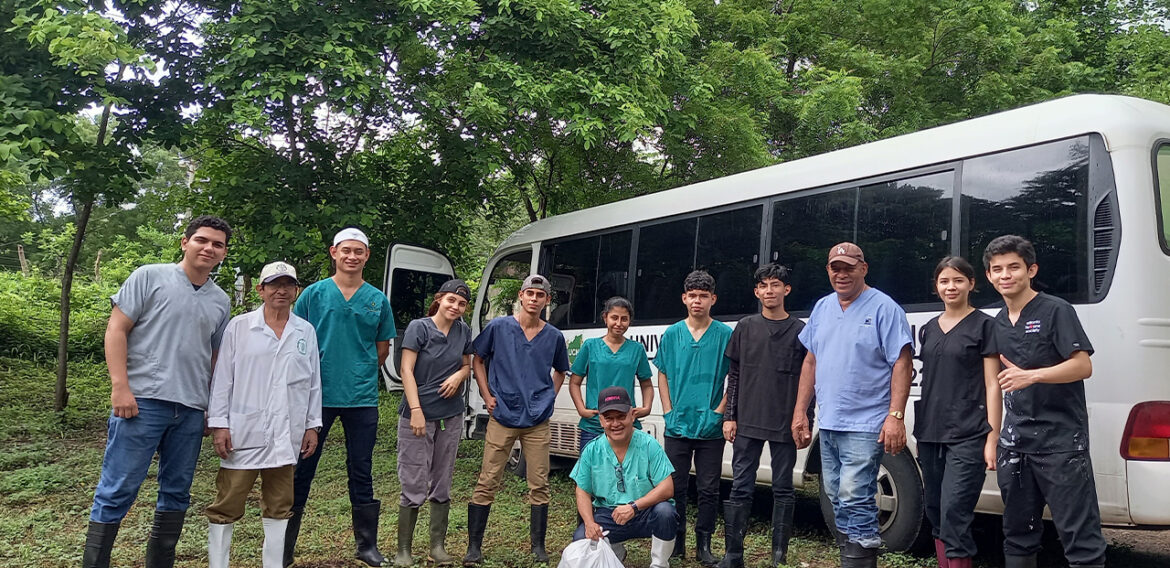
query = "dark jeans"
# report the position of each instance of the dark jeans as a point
(1065, 482)
(745, 460)
(659, 521)
(585, 437)
(361, 428)
(952, 478)
(708, 459)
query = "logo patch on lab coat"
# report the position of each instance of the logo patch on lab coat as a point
(302, 347)
(1032, 326)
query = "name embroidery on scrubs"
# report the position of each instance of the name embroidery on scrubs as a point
(1032, 326)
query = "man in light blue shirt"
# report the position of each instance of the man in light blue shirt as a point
(165, 328)
(624, 485)
(858, 362)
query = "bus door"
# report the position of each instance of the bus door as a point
(413, 275)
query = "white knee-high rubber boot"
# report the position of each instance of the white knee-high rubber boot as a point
(219, 544)
(273, 555)
(660, 552)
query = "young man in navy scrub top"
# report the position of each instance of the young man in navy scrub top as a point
(520, 363)
(1044, 444)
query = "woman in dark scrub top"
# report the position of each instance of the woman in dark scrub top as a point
(958, 418)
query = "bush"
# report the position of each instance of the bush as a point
(29, 317)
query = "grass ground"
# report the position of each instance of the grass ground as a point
(51, 463)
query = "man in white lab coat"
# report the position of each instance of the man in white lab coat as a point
(265, 410)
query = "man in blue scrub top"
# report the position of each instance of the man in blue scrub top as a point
(520, 363)
(354, 327)
(858, 362)
(624, 486)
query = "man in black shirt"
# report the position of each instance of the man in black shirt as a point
(765, 355)
(1044, 444)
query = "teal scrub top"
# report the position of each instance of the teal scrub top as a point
(695, 373)
(644, 467)
(347, 336)
(603, 368)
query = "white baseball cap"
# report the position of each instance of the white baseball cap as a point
(351, 234)
(274, 270)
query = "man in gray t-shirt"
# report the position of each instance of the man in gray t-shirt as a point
(164, 330)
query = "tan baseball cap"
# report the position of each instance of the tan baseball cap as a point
(274, 270)
(846, 252)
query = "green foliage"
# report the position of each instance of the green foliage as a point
(29, 317)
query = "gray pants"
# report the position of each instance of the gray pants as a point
(426, 463)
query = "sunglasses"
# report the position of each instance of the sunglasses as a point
(621, 478)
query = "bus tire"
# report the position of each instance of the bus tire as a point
(516, 464)
(901, 515)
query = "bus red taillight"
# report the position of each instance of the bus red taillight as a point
(1147, 433)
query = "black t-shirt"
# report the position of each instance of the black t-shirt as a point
(1044, 418)
(953, 406)
(765, 358)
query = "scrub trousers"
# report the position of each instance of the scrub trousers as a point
(952, 478)
(1063, 481)
(708, 460)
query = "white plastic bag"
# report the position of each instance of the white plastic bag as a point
(587, 553)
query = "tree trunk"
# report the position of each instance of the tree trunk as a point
(62, 396)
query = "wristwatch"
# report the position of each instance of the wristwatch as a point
(898, 414)
(634, 504)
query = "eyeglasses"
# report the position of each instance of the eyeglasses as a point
(621, 478)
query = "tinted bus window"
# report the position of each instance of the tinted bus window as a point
(1039, 193)
(803, 229)
(729, 249)
(503, 286)
(1163, 195)
(904, 229)
(666, 253)
(584, 273)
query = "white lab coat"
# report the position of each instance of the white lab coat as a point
(266, 391)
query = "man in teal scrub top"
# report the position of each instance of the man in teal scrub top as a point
(624, 485)
(354, 327)
(691, 371)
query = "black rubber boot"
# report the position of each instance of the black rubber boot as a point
(703, 549)
(735, 516)
(477, 516)
(290, 535)
(164, 535)
(854, 555)
(538, 526)
(781, 531)
(440, 513)
(1019, 561)
(407, 519)
(99, 541)
(680, 539)
(365, 533)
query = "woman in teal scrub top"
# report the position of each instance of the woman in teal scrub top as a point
(609, 361)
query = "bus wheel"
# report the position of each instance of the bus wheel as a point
(516, 464)
(900, 508)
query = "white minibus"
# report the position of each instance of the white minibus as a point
(1086, 178)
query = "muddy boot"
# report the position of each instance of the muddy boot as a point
(291, 531)
(734, 528)
(365, 533)
(477, 516)
(407, 518)
(99, 541)
(853, 555)
(538, 526)
(164, 535)
(703, 549)
(440, 512)
(781, 531)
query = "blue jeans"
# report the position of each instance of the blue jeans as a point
(174, 432)
(659, 521)
(586, 437)
(361, 429)
(849, 464)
